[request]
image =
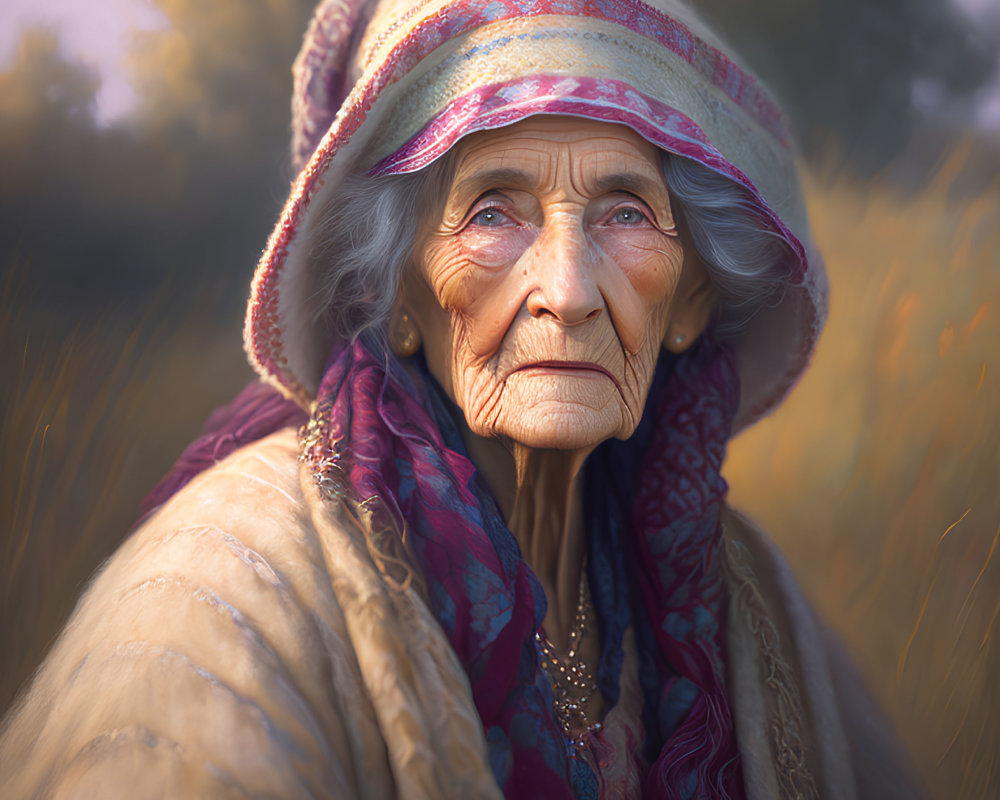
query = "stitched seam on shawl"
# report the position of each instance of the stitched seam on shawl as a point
(785, 716)
(105, 743)
(251, 634)
(377, 529)
(260, 567)
(136, 649)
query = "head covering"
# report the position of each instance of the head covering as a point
(391, 85)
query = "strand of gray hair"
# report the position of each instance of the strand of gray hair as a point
(366, 236)
(747, 259)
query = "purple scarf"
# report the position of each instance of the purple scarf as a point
(377, 434)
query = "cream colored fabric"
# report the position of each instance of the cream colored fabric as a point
(242, 643)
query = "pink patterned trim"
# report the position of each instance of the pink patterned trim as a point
(263, 330)
(461, 17)
(635, 15)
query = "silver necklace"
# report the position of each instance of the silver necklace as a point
(572, 683)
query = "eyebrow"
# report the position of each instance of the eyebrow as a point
(500, 177)
(631, 182)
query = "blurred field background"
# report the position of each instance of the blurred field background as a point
(880, 476)
(126, 246)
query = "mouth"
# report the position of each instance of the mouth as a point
(571, 367)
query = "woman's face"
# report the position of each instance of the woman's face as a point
(545, 287)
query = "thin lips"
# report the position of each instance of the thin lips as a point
(570, 365)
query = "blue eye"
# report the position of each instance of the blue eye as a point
(628, 216)
(489, 217)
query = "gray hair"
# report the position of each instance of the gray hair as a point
(368, 229)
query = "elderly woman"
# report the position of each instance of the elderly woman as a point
(541, 261)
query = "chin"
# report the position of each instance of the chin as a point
(563, 429)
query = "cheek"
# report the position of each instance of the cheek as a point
(494, 249)
(647, 273)
(446, 273)
(481, 301)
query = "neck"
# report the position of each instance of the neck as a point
(540, 495)
(547, 519)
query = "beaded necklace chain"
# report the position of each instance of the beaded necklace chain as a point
(572, 683)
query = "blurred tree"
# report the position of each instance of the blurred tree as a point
(220, 72)
(184, 188)
(846, 69)
(40, 92)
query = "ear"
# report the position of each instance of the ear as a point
(691, 307)
(429, 321)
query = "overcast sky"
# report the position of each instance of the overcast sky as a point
(96, 33)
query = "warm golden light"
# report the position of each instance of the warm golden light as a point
(880, 476)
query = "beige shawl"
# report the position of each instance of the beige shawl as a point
(243, 643)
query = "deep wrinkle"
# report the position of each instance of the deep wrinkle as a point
(577, 262)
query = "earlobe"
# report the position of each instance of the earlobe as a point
(691, 309)
(676, 342)
(404, 335)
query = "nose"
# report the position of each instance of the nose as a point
(562, 274)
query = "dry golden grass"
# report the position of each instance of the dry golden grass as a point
(880, 477)
(90, 423)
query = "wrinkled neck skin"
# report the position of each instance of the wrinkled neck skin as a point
(547, 519)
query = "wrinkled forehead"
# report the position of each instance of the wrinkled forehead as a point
(549, 137)
(544, 151)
